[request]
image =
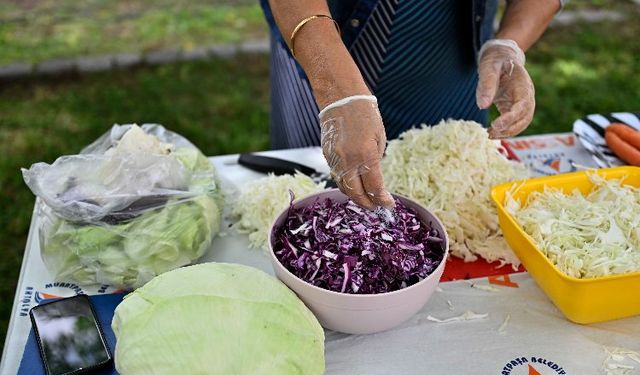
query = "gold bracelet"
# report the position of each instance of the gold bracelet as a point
(292, 39)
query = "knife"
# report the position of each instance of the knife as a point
(268, 164)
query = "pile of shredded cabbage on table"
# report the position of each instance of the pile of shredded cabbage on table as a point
(260, 201)
(585, 236)
(450, 168)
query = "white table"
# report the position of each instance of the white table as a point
(535, 328)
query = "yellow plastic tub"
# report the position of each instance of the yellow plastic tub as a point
(580, 300)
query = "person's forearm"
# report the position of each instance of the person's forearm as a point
(319, 49)
(524, 21)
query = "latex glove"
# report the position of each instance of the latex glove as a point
(353, 142)
(503, 80)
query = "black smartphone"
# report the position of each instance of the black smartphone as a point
(69, 336)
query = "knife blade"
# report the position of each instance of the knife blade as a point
(268, 164)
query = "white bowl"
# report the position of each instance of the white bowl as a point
(361, 313)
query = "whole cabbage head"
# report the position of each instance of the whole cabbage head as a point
(216, 318)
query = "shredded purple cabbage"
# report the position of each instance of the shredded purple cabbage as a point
(344, 248)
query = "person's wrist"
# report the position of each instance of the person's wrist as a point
(330, 68)
(512, 45)
(347, 101)
(333, 92)
(514, 35)
(332, 84)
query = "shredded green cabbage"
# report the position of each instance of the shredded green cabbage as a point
(467, 315)
(585, 236)
(614, 363)
(450, 168)
(261, 200)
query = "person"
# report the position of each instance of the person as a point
(338, 68)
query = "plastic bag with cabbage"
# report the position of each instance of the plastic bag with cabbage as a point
(138, 202)
(216, 318)
(450, 168)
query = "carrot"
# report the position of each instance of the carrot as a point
(626, 133)
(622, 149)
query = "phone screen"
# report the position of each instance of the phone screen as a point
(69, 336)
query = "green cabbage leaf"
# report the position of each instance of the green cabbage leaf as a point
(216, 318)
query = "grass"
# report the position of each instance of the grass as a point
(222, 106)
(38, 30)
(585, 68)
(54, 29)
(594, 4)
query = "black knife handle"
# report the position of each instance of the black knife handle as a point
(267, 164)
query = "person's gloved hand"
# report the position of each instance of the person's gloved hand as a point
(353, 142)
(503, 80)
